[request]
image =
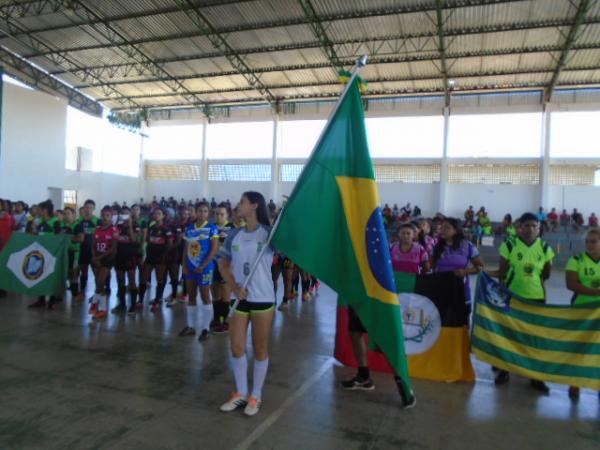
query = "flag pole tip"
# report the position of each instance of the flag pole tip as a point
(362, 61)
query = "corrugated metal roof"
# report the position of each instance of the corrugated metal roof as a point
(273, 44)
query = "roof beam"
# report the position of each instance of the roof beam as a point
(32, 8)
(371, 81)
(320, 33)
(219, 42)
(59, 60)
(133, 52)
(574, 33)
(25, 72)
(395, 59)
(439, 5)
(371, 93)
(127, 69)
(379, 12)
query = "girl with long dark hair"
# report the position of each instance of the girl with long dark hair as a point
(257, 301)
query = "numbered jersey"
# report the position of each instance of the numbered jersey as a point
(199, 240)
(104, 238)
(241, 248)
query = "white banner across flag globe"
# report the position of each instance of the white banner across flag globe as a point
(32, 264)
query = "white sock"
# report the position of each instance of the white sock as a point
(207, 316)
(260, 373)
(103, 303)
(240, 373)
(95, 299)
(192, 316)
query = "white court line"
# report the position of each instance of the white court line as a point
(275, 415)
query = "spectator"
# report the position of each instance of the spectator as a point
(469, 215)
(20, 216)
(416, 211)
(565, 219)
(553, 220)
(543, 218)
(396, 210)
(577, 219)
(272, 207)
(213, 204)
(406, 210)
(480, 213)
(593, 221)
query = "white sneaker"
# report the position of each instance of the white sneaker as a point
(236, 401)
(171, 302)
(253, 406)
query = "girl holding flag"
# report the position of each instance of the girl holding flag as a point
(257, 301)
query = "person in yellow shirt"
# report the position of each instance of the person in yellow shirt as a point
(525, 263)
(583, 279)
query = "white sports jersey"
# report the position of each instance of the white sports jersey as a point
(241, 248)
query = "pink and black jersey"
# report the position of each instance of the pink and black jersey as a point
(104, 238)
(159, 238)
(411, 261)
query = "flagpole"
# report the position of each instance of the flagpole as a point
(359, 65)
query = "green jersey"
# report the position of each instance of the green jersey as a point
(589, 275)
(526, 264)
(72, 230)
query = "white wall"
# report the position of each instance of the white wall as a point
(585, 198)
(233, 190)
(423, 195)
(498, 199)
(189, 190)
(103, 188)
(32, 154)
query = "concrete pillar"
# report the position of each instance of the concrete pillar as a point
(204, 162)
(444, 163)
(545, 158)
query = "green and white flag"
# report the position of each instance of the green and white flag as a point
(34, 265)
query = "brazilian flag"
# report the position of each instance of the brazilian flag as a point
(436, 334)
(332, 227)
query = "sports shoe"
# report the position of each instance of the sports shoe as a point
(183, 299)
(100, 315)
(132, 310)
(358, 384)
(305, 297)
(225, 327)
(171, 302)
(236, 401)
(282, 306)
(253, 406)
(539, 386)
(93, 308)
(187, 331)
(502, 378)
(52, 304)
(214, 325)
(139, 304)
(39, 303)
(80, 297)
(120, 308)
(203, 335)
(574, 393)
(155, 305)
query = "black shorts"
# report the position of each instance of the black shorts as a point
(354, 323)
(85, 256)
(173, 257)
(155, 259)
(107, 262)
(217, 277)
(126, 258)
(245, 307)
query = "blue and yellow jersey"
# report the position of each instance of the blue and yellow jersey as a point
(199, 240)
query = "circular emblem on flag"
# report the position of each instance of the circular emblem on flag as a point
(378, 251)
(421, 321)
(33, 265)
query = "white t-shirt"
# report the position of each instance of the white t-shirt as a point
(241, 248)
